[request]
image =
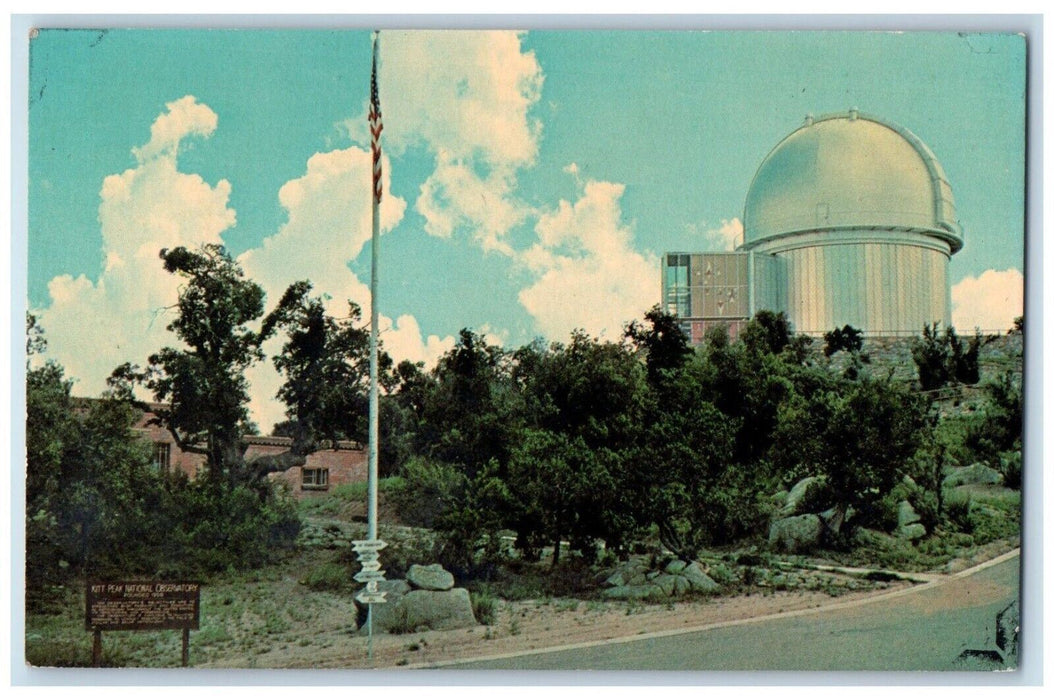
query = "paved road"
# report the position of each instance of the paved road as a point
(925, 629)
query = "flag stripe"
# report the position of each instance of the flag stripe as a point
(376, 127)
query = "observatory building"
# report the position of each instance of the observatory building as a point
(849, 220)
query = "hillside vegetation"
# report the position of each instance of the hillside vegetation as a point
(772, 464)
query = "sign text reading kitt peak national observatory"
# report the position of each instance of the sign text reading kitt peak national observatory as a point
(139, 605)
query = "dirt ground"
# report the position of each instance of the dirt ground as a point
(274, 622)
(528, 625)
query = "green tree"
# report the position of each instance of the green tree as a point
(202, 386)
(845, 338)
(86, 475)
(35, 341)
(702, 469)
(582, 407)
(468, 411)
(464, 416)
(930, 354)
(563, 488)
(401, 417)
(685, 477)
(747, 383)
(661, 339)
(97, 506)
(88, 482)
(963, 362)
(325, 362)
(859, 435)
(928, 472)
(768, 332)
(1000, 429)
(51, 434)
(942, 358)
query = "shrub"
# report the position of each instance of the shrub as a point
(357, 491)
(401, 625)
(767, 332)
(861, 437)
(96, 507)
(965, 367)
(928, 506)
(573, 577)
(941, 359)
(879, 513)
(428, 489)
(817, 498)
(845, 338)
(1010, 468)
(723, 574)
(995, 518)
(402, 553)
(958, 510)
(484, 606)
(930, 354)
(214, 530)
(1000, 429)
(330, 576)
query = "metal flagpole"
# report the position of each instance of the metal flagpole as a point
(376, 126)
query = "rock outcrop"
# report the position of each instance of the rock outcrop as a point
(426, 599)
(798, 494)
(637, 580)
(977, 473)
(430, 578)
(800, 533)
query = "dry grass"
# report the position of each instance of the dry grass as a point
(273, 619)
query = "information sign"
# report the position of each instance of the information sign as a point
(368, 545)
(371, 597)
(142, 605)
(367, 576)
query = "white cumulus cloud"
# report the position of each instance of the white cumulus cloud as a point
(465, 97)
(403, 340)
(184, 117)
(466, 91)
(725, 237)
(588, 275)
(991, 301)
(93, 326)
(328, 223)
(456, 197)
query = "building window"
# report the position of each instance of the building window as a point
(314, 479)
(162, 456)
(678, 298)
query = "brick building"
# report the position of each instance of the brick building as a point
(324, 469)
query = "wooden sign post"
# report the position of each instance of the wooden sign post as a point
(141, 605)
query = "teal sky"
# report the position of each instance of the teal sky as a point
(665, 131)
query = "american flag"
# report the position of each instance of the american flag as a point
(376, 125)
